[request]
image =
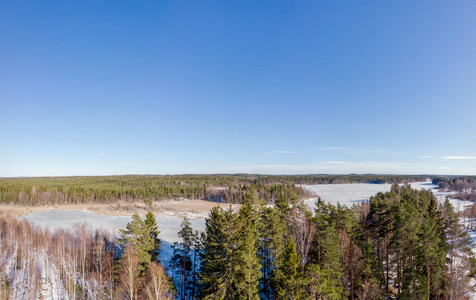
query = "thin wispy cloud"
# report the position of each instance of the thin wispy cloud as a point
(357, 150)
(281, 152)
(450, 157)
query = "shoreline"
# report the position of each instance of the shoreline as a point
(190, 208)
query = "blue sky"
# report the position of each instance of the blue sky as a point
(282, 87)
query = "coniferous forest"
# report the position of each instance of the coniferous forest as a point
(403, 244)
(222, 150)
(38, 191)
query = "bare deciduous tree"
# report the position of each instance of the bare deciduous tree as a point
(157, 285)
(129, 273)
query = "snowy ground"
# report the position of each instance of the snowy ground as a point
(168, 226)
(345, 194)
(349, 194)
(54, 219)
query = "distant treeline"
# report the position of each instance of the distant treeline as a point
(221, 188)
(340, 179)
(456, 184)
(464, 186)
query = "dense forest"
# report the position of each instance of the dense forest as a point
(456, 184)
(465, 187)
(402, 244)
(221, 188)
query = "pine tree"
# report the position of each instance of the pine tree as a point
(325, 268)
(433, 245)
(460, 254)
(185, 260)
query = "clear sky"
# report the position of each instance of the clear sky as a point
(283, 87)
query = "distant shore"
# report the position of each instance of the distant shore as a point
(189, 208)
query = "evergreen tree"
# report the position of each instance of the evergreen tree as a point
(184, 257)
(218, 254)
(433, 246)
(289, 277)
(459, 256)
(326, 269)
(271, 246)
(247, 266)
(138, 235)
(151, 225)
(320, 284)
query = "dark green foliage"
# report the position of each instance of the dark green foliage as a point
(222, 188)
(138, 235)
(325, 271)
(457, 184)
(154, 232)
(184, 261)
(271, 245)
(409, 235)
(472, 270)
(400, 245)
(289, 276)
(247, 266)
(218, 255)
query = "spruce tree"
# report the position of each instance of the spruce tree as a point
(218, 255)
(271, 246)
(289, 277)
(151, 224)
(246, 264)
(138, 235)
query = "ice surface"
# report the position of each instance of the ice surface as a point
(349, 194)
(169, 226)
(54, 219)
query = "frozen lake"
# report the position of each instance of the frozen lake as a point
(168, 226)
(345, 194)
(53, 219)
(349, 194)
